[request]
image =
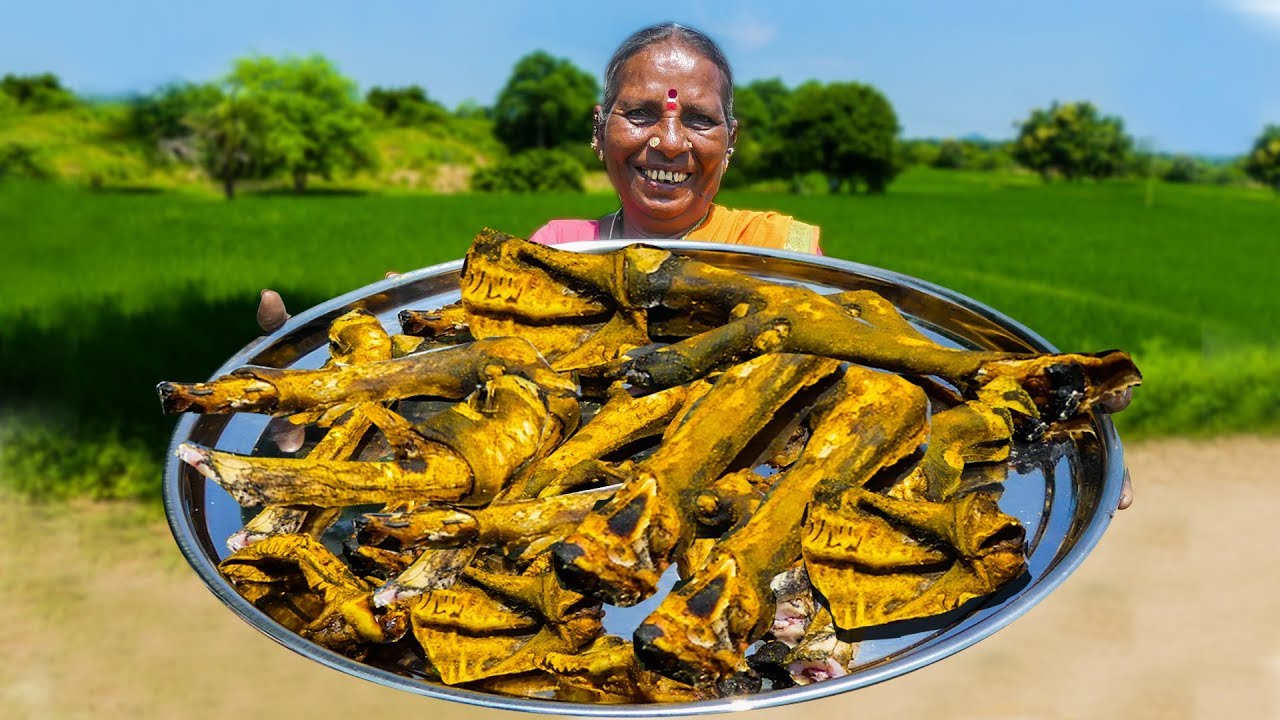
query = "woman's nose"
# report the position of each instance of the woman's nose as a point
(671, 136)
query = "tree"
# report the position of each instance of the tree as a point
(233, 135)
(1072, 140)
(471, 110)
(37, 93)
(847, 131)
(1263, 162)
(406, 106)
(1185, 169)
(546, 102)
(164, 120)
(755, 135)
(952, 155)
(535, 170)
(311, 119)
(917, 152)
(760, 152)
(775, 95)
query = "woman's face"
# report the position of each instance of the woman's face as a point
(667, 187)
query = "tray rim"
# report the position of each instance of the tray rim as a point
(178, 515)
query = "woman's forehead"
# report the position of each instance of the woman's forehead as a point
(667, 65)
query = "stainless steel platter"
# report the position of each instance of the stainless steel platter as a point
(1063, 491)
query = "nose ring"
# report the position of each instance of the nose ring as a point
(688, 144)
(653, 141)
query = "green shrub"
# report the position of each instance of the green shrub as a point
(24, 160)
(1197, 394)
(951, 156)
(583, 153)
(55, 461)
(531, 171)
(37, 93)
(1185, 169)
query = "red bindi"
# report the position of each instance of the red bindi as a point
(671, 99)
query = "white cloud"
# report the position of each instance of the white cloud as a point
(748, 32)
(1265, 11)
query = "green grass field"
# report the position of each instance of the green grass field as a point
(108, 293)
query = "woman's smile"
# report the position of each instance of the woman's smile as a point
(660, 177)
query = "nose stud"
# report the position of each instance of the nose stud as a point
(653, 141)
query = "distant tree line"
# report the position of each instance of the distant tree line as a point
(301, 118)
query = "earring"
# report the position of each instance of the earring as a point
(597, 125)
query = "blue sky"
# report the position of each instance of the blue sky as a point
(1199, 76)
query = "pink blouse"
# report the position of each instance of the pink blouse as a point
(563, 231)
(556, 232)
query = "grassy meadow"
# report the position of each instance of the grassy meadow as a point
(106, 293)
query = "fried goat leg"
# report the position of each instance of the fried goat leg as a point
(621, 549)
(622, 420)
(700, 631)
(478, 445)
(799, 320)
(450, 373)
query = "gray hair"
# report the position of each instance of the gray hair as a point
(687, 36)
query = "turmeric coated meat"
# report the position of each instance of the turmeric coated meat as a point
(577, 424)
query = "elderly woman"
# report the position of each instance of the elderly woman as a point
(666, 133)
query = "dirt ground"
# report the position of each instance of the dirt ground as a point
(1172, 616)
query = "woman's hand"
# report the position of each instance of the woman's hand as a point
(1115, 404)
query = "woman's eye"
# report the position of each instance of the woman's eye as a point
(639, 117)
(700, 122)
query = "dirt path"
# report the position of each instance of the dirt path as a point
(1172, 616)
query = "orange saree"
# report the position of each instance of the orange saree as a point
(758, 229)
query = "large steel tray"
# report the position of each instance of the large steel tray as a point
(1064, 491)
